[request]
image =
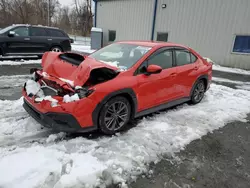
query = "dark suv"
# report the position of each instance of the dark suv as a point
(26, 40)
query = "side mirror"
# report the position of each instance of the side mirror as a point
(11, 34)
(154, 69)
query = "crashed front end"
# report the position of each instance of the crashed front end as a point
(57, 96)
(56, 106)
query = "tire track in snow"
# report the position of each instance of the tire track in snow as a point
(109, 160)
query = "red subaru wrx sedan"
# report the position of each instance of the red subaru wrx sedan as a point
(115, 84)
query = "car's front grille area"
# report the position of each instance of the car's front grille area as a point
(48, 90)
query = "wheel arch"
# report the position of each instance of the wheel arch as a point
(56, 45)
(128, 93)
(202, 77)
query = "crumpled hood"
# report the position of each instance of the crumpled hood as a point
(65, 71)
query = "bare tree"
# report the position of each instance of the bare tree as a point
(77, 20)
(83, 16)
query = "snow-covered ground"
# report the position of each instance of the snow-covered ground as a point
(238, 84)
(31, 157)
(81, 48)
(231, 70)
(19, 62)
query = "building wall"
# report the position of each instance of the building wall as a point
(208, 26)
(132, 19)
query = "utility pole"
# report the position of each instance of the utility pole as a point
(48, 12)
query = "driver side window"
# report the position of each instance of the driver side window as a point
(21, 31)
(163, 59)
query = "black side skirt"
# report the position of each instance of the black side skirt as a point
(162, 106)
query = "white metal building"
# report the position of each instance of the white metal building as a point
(218, 29)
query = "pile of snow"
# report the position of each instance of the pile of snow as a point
(96, 29)
(20, 62)
(81, 48)
(47, 98)
(226, 69)
(231, 70)
(83, 162)
(33, 88)
(238, 84)
(13, 81)
(67, 98)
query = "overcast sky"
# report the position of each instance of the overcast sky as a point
(66, 2)
(69, 2)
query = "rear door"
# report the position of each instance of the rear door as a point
(19, 43)
(39, 40)
(59, 38)
(187, 66)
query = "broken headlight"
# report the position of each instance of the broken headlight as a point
(84, 92)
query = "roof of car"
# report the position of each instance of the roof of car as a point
(152, 43)
(35, 26)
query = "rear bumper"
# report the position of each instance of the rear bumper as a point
(57, 121)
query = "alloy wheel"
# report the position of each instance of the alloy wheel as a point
(199, 91)
(116, 116)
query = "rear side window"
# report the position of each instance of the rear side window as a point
(56, 33)
(193, 58)
(182, 57)
(36, 31)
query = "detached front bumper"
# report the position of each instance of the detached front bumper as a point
(57, 121)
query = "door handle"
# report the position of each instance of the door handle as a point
(173, 75)
(195, 68)
(26, 38)
(49, 39)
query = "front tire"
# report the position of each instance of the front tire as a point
(114, 115)
(198, 92)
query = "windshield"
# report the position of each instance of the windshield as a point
(120, 55)
(5, 29)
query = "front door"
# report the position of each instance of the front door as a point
(156, 89)
(20, 42)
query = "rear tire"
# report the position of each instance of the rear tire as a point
(198, 92)
(56, 49)
(114, 115)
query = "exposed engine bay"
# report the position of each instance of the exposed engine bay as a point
(66, 79)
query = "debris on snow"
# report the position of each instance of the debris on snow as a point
(55, 137)
(67, 98)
